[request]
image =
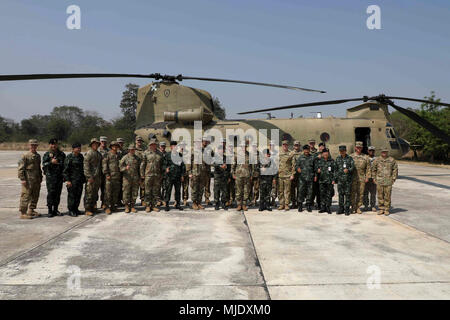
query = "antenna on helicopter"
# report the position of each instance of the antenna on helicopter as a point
(269, 115)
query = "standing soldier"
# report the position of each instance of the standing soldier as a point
(74, 177)
(344, 170)
(230, 153)
(325, 168)
(151, 172)
(371, 187)
(174, 170)
(93, 172)
(196, 171)
(53, 166)
(254, 187)
(207, 177)
(111, 171)
(305, 168)
(266, 177)
(162, 193)
(140, 149)
(361, 175)
(221, 178)
(185, 180)
(285, 175)
(242, 173)
(121, 152)
(385, 172)
(103, 149)
(130, 168)
(316, 155)
(296, 152)
(273, 155)
(312, 146)
(30, 175)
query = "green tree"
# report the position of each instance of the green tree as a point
(128, 104)
(72, 114)
(219, 110)
(59, 128)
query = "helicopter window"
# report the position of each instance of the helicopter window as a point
(324, 136)
(374, 107)
(388, 135)
(392, 133)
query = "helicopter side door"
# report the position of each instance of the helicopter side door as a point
(363, 134)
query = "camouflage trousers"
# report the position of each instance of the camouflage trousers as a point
(384, 197)
(294, 189)
(254, 189)
(197, 188)
(54, 188)
(91, 193)
(152, 190)
(242, 190)
(29, 196)
(326, 194)
(274, 191)
(74, 195)
(112, 191)
(162, 194)
(102, 189)
(220, 190)
(142, 190)
(172, 182)
(305, 191)
(231, 190)
(265, 188)
(370, 188)
(357, 193)
(185, 185)
(130, 190)
(344, 190)
(284, 191)
(207, 185)
(316, 192)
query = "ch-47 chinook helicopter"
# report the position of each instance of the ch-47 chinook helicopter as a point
(165, 105)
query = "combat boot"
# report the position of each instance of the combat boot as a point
(185, 203)
(228, 203)
(208, 202)
(56, 211)
(167, 208)
(239, 208)
(261, 207)
(103, 207)
(200, 206)
(155, 209)
(50, 213)
(26, 216)
(224, 206)
(178, 207)
(380, 212)
(358, 211)
(268, 208)
(216, 207)
(244, 207)
(194, 206)
(77, 212)
(308, 208)
(134, 210)
(347, 211)
(158, 203)
(300, 207)
(329, 210)
(148, 209)
(88, 212)
(280, 207)
(127, 209)
(366, 208)
(386, 212)
(374, 209)
(108, 211)
(340, 210)
(322, 210)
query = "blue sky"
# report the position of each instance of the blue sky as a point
(316, 44)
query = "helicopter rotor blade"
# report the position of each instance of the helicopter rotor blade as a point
(303, 105)
(419, 100)
(156, 76)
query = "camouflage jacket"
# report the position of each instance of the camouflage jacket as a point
(102, 151)
(110, 165)
(342, 164)
(242, 170)
(151, 164)
(254, 157)
(306, 164)
(384, 171)
(327, 170)
(267, 170)
(73, 168)
(140, 152)
(222, 170)
(177, 169)
(30, 167)
(362, 167)
(92, 164)
(295, 155)
(134, 163)
(50, 169)
(197, 167)
(286, 167)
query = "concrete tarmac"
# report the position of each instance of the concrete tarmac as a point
(228, 254)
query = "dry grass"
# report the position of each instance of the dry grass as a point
(23, 146)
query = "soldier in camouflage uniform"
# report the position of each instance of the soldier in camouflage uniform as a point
(92, 166)
(151, 172)
(242, 172)
(286, 171)
(130, 168)
(232, 185)
(296, 152)
(53, 166)
(207, 177)
(103, 149)
(384, 172)
(361, 175)
(266, 169)
(343, 177)
(30, 175)
(174, 170)
(121, 152)
(274, 192)
(197, 172)
(74, 177)
(140, 149)
(371, 187)
(185, 180)
(254, 187)
(162, 193)
(305, 169)
(222, 172)
(111, 171)
(316, 154)
(325, 169)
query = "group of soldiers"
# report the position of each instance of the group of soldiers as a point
(120, 175)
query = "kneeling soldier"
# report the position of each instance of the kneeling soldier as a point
(385, 172)
(74, 177)
(30, 175)
(174, 170)
(221, 178)
(266, 179)
(111, 170)
(324, 174)
(130, 168)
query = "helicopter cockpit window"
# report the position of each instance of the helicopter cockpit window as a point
(392, 133)
(325, 136)
(388, 134)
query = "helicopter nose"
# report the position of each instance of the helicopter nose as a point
(404, 146)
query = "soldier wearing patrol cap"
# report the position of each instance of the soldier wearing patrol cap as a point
(254, 186)
(111, 170)
(242, 172)
(140, 149)
(207, 176)
(151, 172)
(286, 171)
(361, 175)
(162, 193)
(196, 171)
(185, 180)
(30, 175)
(296, 152)
(103, 149)
(92, 167)
(53, 166)
(121, 152)
(274, 155)
(344, 170)
(370, 188)
(312, 146)
(130, 168)
(384, 172)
